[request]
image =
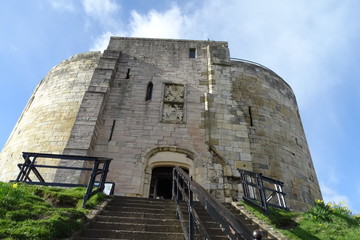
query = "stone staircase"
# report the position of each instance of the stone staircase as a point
(148, 219)
(134, 218)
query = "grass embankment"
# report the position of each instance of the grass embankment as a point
(37, 212)
(328, 221)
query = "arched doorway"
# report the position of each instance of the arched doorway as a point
(161, 182)
(158, 171)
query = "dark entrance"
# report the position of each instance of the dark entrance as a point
(161, 182)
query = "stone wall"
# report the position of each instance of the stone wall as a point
(48, 118)
(166, 122)
(156, 103)
(277, 140)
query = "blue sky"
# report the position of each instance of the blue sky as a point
(313, 45)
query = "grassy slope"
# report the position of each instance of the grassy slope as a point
(36, 212)
(324, 221)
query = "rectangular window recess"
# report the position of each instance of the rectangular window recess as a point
(128, 74)
(192, 53)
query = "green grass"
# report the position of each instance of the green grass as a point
(324, 221)
(37, 212)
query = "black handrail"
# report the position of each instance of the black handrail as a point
(255, 187)
(100, 167)
(221, 215)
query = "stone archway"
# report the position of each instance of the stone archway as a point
(159, 163)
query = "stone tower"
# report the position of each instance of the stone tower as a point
(151, 104)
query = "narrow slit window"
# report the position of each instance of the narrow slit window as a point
(149, 90)
(112, 130)
(128, 74)
(251, 118)
(192, 53)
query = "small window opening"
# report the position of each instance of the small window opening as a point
(112, 130)
(251, 119)
(149, 91)
(128, 74)
(192, 53)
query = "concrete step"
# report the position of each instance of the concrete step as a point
(139, 214)
(133, 235)
(151, 227)
(94, 238)
(140, 204)
(135, 208)
(122, 219)
(118, 199)
(125, 234)
(197, 237)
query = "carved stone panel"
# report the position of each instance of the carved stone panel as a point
(173, 106)
(173, 112)
(174, 93)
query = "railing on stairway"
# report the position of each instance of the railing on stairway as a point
(185, 189)
(260, 190)
(100, 168)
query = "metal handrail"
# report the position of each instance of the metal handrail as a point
(255, 190)
(100, 167)
(221, 215)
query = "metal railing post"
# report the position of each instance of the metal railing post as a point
(177, 193)
(173, 186)
(91, 181)
(261, 192)
(29, 165)
(103, 175)
(191, 216)
(22, 173)
(177, 189)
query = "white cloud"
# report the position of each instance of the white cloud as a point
(62, 5)
(331, 195)
(102, 11)
(101, 42)
(169, 24)
(99, 9)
